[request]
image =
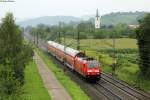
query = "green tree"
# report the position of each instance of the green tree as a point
(143, 37)
(11, 44)
(14, 55)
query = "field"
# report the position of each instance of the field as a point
(126, 55)
(34, 88)
(103, 43)
(73, 89)
(97, 48)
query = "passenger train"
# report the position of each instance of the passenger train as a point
(89, 68)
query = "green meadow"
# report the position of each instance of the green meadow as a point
(34, 88)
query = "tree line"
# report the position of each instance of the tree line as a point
(86, 29)
(15, 54)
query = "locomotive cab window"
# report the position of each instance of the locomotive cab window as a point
(93, 64)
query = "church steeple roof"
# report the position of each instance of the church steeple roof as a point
(97, 14)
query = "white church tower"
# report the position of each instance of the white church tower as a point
(97, 20)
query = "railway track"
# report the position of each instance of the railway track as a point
(107, 88)
(106, 92)
(139, 95)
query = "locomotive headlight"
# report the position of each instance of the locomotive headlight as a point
(89, 71)
(97, 71)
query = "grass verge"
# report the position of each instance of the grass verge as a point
(73, 89)
(131, 75)
(34, 88)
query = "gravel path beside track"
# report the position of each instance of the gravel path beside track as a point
(55, 89)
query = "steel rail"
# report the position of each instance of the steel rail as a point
(125, 87)
(108, 93)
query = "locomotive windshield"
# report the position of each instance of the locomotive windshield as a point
(93, 64)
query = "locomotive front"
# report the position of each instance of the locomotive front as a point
(93, 71)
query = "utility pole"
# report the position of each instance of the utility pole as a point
(34, 37)
(114, 57)
(59, 37)
(23, 32)
(59, 31)
(37, 39)
(78, 39)
(65, 46)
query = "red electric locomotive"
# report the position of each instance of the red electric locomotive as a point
(76, 60)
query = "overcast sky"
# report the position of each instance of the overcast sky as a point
(36, 8)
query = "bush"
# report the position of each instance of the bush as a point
(9, 86)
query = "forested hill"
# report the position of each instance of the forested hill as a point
(48, 20)
(122, 17)
(108, 19)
